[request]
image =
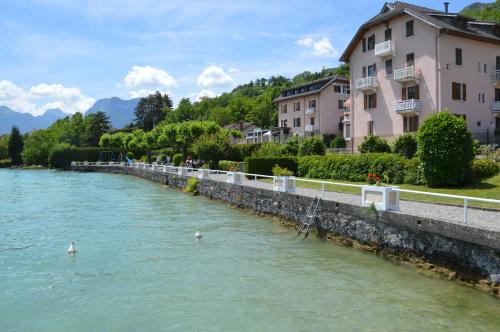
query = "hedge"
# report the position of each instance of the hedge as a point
(227, 165)
(353, 167)
(264, 165)
(62, 155)
(239, 152)
(484, 168)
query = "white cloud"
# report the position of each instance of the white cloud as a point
(143, 80)
(214, 76)
(321, 47)
(69, 100)
(205, 93)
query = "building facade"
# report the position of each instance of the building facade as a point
(409, 62)
(314, 108)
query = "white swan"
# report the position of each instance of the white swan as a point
(198, 235)
(72, 248)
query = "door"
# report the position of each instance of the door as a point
(388, 34)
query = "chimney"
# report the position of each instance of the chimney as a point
(446, 4)
(241, 125)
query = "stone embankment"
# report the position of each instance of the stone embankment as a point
(459, 252)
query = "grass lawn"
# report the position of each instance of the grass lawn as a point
(488, 188)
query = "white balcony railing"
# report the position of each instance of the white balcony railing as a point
(309, 128)
(310, 110)
(407, 106)
(495, 76)
(385, 49)
(407, 74)
(367, 83)
(495, 107)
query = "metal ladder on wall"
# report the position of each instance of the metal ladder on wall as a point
(310, 217)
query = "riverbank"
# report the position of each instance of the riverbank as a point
(466, 254)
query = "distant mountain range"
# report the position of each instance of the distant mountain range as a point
(120, 112)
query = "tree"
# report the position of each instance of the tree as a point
(313, 145)
(405, 145)
(16, 145)
(446, 150)
(4, 147)
(37, 147)
(151, 110)
(97, 125)
(212, 147)
(374, 143)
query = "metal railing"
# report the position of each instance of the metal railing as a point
(384, 48)
(310, 110)
(412, 105)
(366, 83)
(495, 76)
(495, 106)
(255, 180)
(406, 74)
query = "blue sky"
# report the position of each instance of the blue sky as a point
(67, 54)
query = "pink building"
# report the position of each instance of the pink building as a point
(314, 108)
(408, 62)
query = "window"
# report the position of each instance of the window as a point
(370, 127)
(296, 122)
(485, 68)
(341, 104)
(458, 56)
(497, 122)
(337, 89)
(346, 89)
(411, 92)
(497, 94)
(410, 124)
(409, 29)
(388, 34)
(364, 45)
(312, 103)
(458, 91)
(283, 108)
(370, 101)
(284, 123)
(410, 59)
(347, 130)
(479, 67)
(311, 121)
(479, 123)
(388, 67)
(482, 97)
(364, 71)
(372, 70)
(498, 63)
(296, 106)
(371, 42)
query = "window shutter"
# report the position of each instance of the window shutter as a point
(375, 69)
(453, 91)
(364, 71)
(405, 124)
(464, 92)
(365, 101)
(417, 92)
(374, 100)
(403, 94)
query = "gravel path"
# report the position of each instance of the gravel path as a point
(484, 219)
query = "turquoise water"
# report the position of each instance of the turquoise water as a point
(139, 267)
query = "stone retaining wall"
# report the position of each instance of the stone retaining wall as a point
(458, 252)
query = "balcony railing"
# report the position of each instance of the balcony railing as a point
(495, 76)
(384, 49)
(366, 84)
(495, 107)
(407, 106)
(310, 128)
(310, 110)
(407, 74)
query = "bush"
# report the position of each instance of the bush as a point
(313, 145)
(130, 155)
(413, 172)
(4, 163)
(291, 146)
(484, 168)
(279, 171)
(63, 154)
(446, 150)
(269, 149)
(177, 159)
(353, 167)
(264, 165)
(226, 165)
(328, 139)
(405, 145)
(191, 186)
(239, 152)
(338, 143)
(373, 144)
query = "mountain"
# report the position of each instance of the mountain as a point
(483, 11)
(25, 121)
(120, 112)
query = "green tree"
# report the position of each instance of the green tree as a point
(220, 115)
(445, 149)
(405, 145)
(4, 147)
(313, 145)
(97, 125)
(212, 147)
(37, 147)
(151, 110)
(374, 143)
(15, 147)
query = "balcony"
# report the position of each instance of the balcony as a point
(366, 84)
(385, 49)
(310, 110)
(495, 107)
(309, 128)
(408, 74)
(407, 106)
(495, 76)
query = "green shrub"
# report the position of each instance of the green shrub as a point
(239, 152)
(373, 144)
(264, 165)
(292, 146)
(310, 146)
(405, 145)
(227, 165)
(269, 149)
(484, 168)
(328, 139)
(63, 154)
(338, 143)
(4, 163)
(413, 172)
(191, 186)
(130, 155)
(177, 159)
(280, 171)
(353, 167)
(446, 150)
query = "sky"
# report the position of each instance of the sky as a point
(67, 54)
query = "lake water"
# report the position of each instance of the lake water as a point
(139, 267)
